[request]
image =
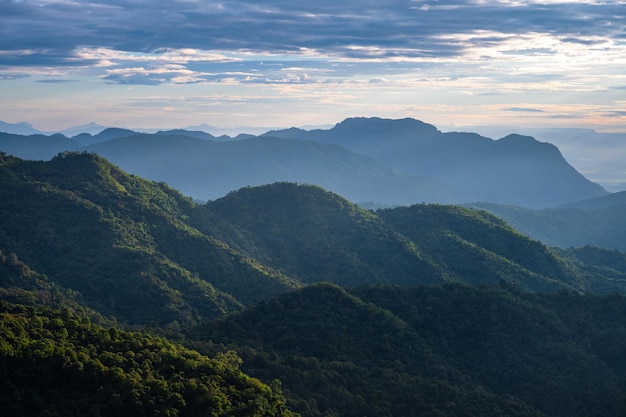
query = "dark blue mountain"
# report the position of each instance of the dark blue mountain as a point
(368, 160)
(207, 169)
(513, 170)
(198, 134)
(110, 133)
(36, 147)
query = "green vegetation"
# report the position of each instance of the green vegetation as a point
(422, 310)
(54, 363)
(447, 350)
(485, 248)
(315, 236)
(122, 242)
(144, 254)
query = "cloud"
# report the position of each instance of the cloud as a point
(404, 52)
(55, 30)
(55, 81)
(167, 73)
(12, 76)
(524, 110)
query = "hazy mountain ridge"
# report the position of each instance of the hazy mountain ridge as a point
(507, 170)
(36, 146)
(390, 162)
(207, 170)
(598, 222)
(21, 128)
(583, 148)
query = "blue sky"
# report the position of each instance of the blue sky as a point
(279, 63)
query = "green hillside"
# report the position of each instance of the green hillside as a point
(122, 243)
(443, 350)
(479, 248)
(141, 252)
(54, 363)
(318, 236)
(425, 310)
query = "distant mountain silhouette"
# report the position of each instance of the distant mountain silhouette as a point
(611, 200)
(91, 128)
(24, 128)
(513, 170)
(600, 222)
(36, 147)
(198, 134)
(21, 128)
(110, 133)
(380, 162)
(206, 170)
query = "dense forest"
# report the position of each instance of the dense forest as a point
(120, 296)
(55, 363)
(436, 350)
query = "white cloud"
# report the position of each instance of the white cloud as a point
(327, 56)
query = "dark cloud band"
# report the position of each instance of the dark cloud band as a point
(52, 30)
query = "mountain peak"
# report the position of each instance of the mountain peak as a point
(20, 128)
(407, 125)
(92, 128)
(519, 140)
(198, 134)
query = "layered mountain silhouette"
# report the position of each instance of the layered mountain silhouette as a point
(380, 161)
(514, 170)
(36, 146)
(207, 170)
(599, 222)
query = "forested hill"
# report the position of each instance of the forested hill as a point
(141, 252)
(87, 252)
(56, 363)
(122, 243)
(319, 236)
(448, 350)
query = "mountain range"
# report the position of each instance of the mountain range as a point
(597, 155)
(418, 310)
(367, 160)
(82, 222)
(598, 222)
(514, 170)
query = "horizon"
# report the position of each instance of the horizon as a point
(492, 131)
(548, 64)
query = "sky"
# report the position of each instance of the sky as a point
(282, 63)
